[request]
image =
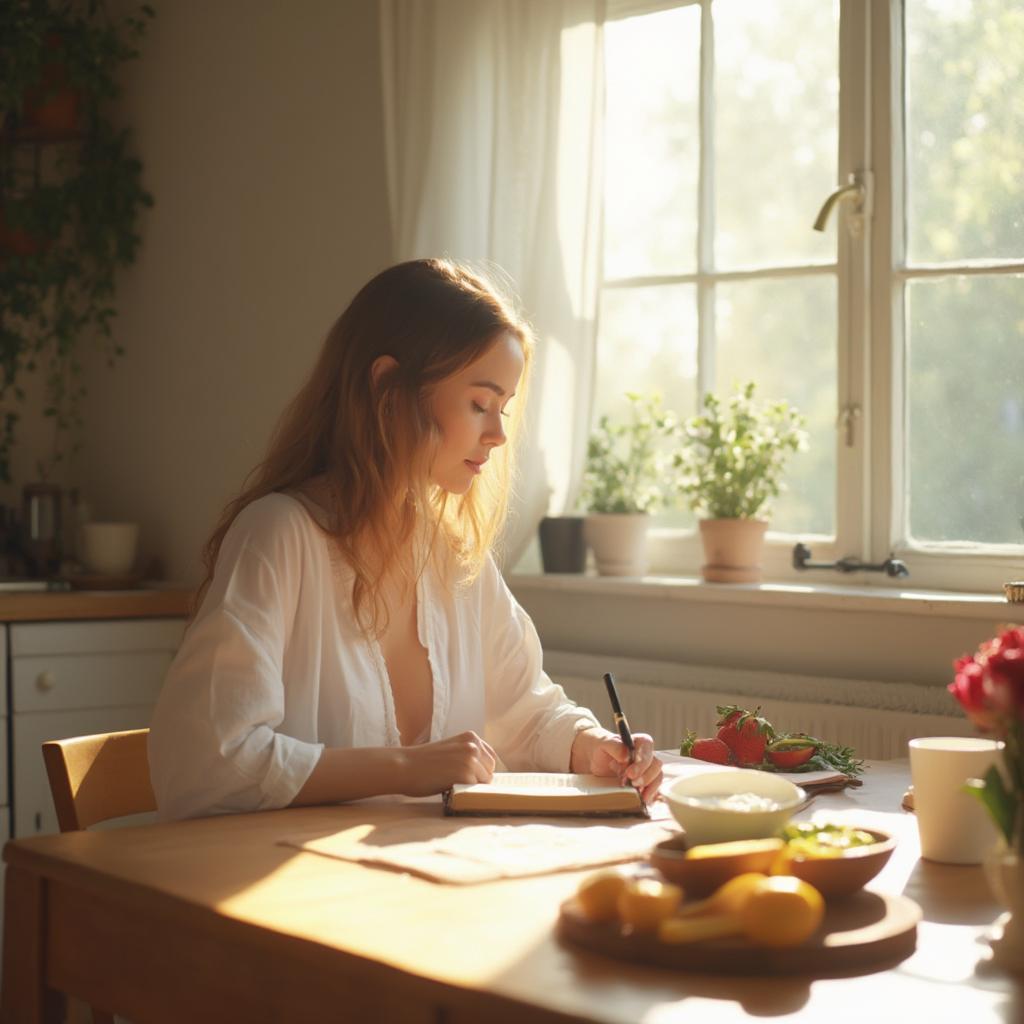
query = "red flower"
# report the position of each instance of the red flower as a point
(969, 688)
(990, 689)
(1005, 683)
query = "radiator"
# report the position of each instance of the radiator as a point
(667, 712)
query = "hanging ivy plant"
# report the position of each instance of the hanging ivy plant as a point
(71, 196)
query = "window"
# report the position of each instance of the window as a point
(899, 332)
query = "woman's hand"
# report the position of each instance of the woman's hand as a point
(599, 752)
(432, 767)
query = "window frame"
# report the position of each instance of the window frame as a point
(872, 275)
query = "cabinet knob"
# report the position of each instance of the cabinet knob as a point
(45, 681)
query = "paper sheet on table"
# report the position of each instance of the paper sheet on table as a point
(456, 851)
(677, 766)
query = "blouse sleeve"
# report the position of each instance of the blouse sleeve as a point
(530, 721)
(213, 744)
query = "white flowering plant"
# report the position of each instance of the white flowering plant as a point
(628, 462)
(734, 453)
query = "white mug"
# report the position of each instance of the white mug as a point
(108, 548)
(953, 825)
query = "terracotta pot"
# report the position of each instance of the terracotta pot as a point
(16, 240)
(732, 549)
(1004, 870)
(619, 542)
(57, 114)
(51, 106)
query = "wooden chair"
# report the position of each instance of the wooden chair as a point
(94, 779)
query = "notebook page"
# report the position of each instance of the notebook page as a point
(542, 784)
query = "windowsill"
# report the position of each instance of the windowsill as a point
(779, 595)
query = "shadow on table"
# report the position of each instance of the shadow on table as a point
(952, 893)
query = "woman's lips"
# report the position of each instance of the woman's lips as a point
(476, 467)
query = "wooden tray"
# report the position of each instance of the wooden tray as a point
(867, 930)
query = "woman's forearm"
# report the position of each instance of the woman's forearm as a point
(351, 773)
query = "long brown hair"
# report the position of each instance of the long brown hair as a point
(371, 442)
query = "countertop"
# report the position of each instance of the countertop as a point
(153, 601)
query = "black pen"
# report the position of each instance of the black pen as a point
(620, 719)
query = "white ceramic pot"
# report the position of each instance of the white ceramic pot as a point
(1005, 873)
(732, 549)
(619, 542)
(108, 548)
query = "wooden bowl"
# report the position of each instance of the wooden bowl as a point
(703, 876)
(844, 875)
(833, 877)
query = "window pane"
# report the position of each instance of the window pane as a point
(966, 409)
(651, 143)
(648, 343)
(776, 129)
(965, 112)
(782, 334)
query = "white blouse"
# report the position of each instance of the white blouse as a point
(274, 668)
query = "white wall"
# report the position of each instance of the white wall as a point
(259, 126)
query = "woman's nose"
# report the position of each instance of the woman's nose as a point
(495, 434)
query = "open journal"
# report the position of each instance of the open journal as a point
(544, 793)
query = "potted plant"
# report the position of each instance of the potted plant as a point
(70, 200)
(623, 482)
(731, 465)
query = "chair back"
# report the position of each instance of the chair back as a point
(96, 778)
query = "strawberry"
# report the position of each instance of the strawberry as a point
(745, 733)
(707, 749)
(791, 751)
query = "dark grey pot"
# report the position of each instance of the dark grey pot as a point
(562, 548)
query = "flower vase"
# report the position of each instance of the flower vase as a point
(1004, 870)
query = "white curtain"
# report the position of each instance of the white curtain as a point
(492, 115)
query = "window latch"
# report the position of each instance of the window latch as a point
(858, 190)
(892, 567)
(847, 419)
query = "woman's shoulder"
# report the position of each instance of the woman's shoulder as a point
(273, 525)
(273, 511)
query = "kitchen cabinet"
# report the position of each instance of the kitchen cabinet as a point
(73, 679)
(72, 664)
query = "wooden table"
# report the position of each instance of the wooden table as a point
(213, 920)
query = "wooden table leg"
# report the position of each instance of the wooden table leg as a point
(25, 998)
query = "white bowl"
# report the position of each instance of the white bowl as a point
(709, 824)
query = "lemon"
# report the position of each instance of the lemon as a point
(728, 898)
(734, 848)
(598, 895)
(644, 903)
(782, 911)
(732, 896)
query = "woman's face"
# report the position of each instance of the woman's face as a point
(469, 408)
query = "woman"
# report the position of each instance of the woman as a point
(353, 635)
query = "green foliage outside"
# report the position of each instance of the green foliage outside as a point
(965, 335)
(78, 200)
(733, 454)
(627, 460)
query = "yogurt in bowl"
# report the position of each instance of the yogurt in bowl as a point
(735, 803)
